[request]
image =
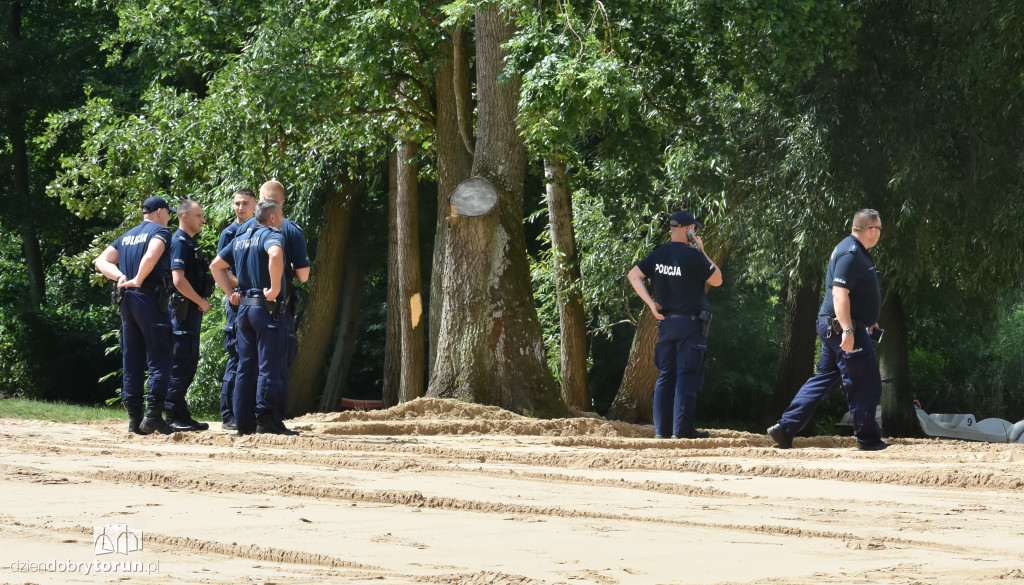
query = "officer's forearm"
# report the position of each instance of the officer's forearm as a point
(185, 287)
(841, 304)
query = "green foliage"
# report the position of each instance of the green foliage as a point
(58, 411)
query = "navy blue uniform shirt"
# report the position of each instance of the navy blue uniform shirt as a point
(852, 268)
(248, 254)
(679, 272)
(228, 234)
(183, 256)
(295, 252)
(132, 246)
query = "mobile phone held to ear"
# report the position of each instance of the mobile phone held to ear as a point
(876, 334)
(689, 234)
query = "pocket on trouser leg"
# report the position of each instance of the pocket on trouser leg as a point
(693, 366)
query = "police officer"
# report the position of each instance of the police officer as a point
(243, 203)
(680, 269)
(190, 272)
(258, 258)
(139, 261)
(296, 267)
(848, 316)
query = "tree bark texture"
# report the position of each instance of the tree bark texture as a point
(571, 319)
(320, 316)
(345, 341)
(489, 344)
(410, 290)
(633, 402)
(392, 339)
(20, 205)
(799, 336)
(454, 163)
(898, 417)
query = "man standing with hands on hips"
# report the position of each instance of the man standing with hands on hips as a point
(680, 270)
(139, 261)
(847, 323)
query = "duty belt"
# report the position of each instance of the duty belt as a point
(275, 308)
(673, 316)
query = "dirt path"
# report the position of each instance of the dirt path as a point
(443, 492)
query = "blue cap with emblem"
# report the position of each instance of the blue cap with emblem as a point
(681, 218)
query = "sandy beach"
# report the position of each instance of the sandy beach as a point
(437, 491)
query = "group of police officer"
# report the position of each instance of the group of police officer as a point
(163, 283)
(847, 325)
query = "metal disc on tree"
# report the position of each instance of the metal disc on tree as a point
(474, 197)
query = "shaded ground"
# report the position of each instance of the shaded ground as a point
(437, 491)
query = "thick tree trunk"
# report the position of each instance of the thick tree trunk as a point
(320, 316)
(16, 119)
(571, 319)
(454, 162)
(345, 344)
(489, 343)
(392, 378)
(898, 417)
(633, 402)
(410, 295)
(799, 336)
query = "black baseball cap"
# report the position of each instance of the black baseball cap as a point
(154, 203)
(681, 218)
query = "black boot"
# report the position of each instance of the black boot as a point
(134, 420)
(177, 423)
(199, 426)
(265, 425)
(153, 422)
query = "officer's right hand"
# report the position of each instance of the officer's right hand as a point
(656, 311)
(847, 343)
(204, 306)
(128, 284)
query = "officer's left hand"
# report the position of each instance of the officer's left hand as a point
(204, 305)
(267, 295)
(128, 284)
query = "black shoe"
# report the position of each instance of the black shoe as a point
(265, 425)
(179, 424)
(283, 430)
(876, 446)
(229, 425)
(133, 425)
(693, 434)
(658, 437)
(241, 433)
(199, 426)
(783, 440)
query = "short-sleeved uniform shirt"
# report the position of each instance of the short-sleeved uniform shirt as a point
(132, 246)
(295, 252)
(249, 255)
(852, 268)
(183, 256)
(679, 272)
(227, 235)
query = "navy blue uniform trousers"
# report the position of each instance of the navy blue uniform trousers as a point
(227, 389)
(679, 356)
(857, 371)
(260, 382)
(146, 344)
(186, 357)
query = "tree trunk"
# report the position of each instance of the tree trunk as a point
(489, 343)
(21, 211)
(454, 162)
(392, 379)
(799, 336)
(410, 295)
(898, 417)
(318, 323)
(571, 319)
(345, 344)
(634, 401)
